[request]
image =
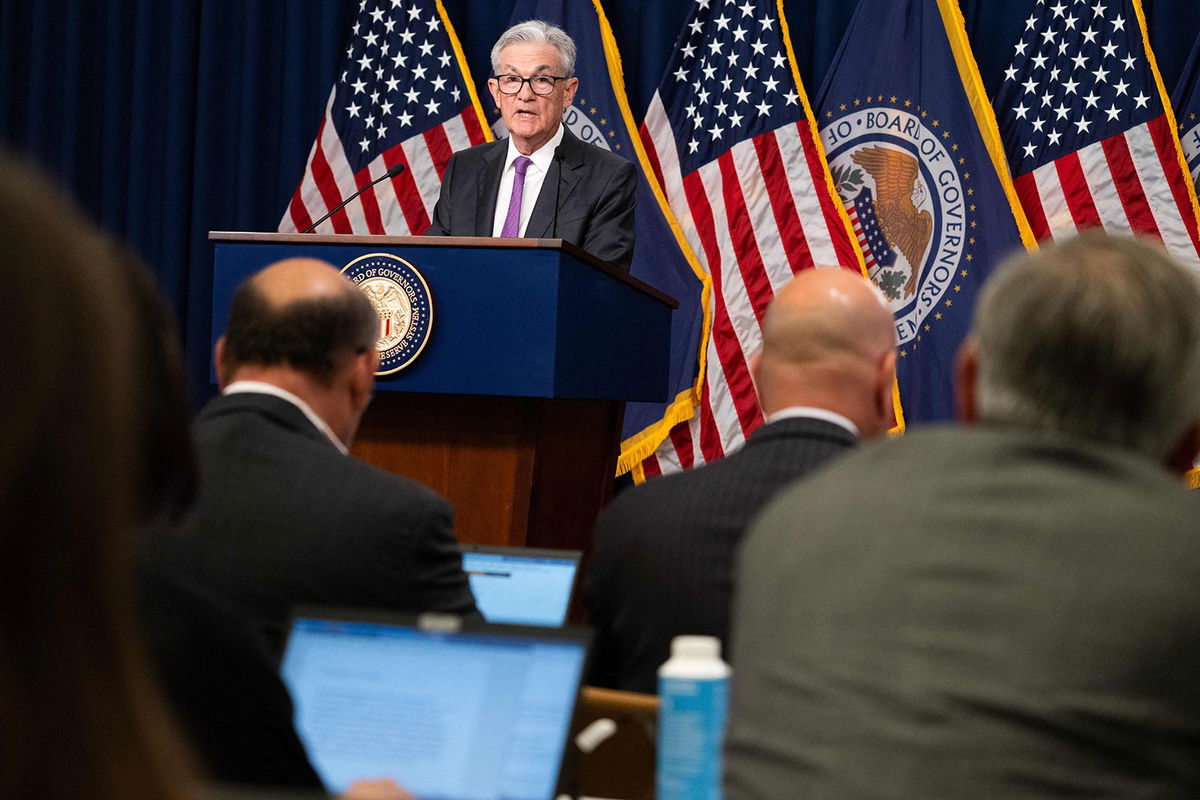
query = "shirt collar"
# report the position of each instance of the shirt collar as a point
(792, 412)
(542, 156)
(259, 387)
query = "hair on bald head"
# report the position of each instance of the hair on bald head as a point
(316, 336)
(1098, 336)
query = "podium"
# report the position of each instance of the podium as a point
(513, 409)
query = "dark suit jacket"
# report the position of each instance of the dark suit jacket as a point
(283, 518)
(970, 613)
(662, 559)
(596, 197)
(223, 685)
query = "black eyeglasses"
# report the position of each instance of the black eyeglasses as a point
(540, 84)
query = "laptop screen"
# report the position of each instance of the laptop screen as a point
(520, 586)
(476, 714)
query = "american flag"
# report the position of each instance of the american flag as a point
(1087, 128)
(730, 139)
(404, 96)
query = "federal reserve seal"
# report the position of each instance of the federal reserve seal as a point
(402, 302)
(903, 190)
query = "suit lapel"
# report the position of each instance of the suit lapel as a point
(541, 222)
(487, 186)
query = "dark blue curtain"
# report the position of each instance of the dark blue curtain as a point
(171, 118)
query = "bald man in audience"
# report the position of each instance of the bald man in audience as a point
(662, 563)
(285, 515)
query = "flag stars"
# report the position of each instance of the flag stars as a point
(1110, 50)
(1089, 35)
(1113, 112)
(377, 15)
(353, 109)
(1141, 100)
(1129, 61)
(359, 86)
(432, 106)
(1118, 23)
(778, 60)
(1101, 75)
(1121, 87)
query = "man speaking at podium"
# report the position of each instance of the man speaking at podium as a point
(542, 182)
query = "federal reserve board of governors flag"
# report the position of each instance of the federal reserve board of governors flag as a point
(1186, 102)
(1088, 129)
(731, 140)
(661, 257)
(916, 158)
(404, 96)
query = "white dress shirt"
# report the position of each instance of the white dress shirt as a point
(258, 387)
(813, 413)
(535, 176)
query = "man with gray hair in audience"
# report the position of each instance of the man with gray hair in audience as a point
(1009, 608)
(542, 181)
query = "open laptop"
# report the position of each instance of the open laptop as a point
(521, 585)
(477, 712)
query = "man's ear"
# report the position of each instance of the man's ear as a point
(1182, 457)
(885, 378)
(966, 387)
(219, 363)
(362, 377)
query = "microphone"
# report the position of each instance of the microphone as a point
(558, 159)
(393, 171)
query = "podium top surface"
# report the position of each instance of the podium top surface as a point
(448, 241)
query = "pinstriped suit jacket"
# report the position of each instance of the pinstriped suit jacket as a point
(662, 558)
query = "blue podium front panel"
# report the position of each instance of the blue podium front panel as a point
(519, 322)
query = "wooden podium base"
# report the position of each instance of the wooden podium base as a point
(520, 471)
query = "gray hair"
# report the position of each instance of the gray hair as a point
(535, 31)
(1098, 336)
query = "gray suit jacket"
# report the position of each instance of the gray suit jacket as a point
(662, 557)
(970, 613)
(596, 195)
(283, 519)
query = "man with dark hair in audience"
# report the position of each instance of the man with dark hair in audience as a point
(284, 515)
(662, 562)
(1009, 608)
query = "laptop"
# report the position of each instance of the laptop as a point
(521, 585)
(449, 710)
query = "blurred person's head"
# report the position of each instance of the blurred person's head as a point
(79, 717)
(301, 325)
(1098, 337)
(829, 342)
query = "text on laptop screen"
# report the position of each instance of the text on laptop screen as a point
(465, 716)
(519, 589)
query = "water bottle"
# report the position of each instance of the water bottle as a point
(693, 691)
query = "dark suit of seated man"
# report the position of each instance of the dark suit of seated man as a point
(1005, 609)
(284, 515)
(586, 196)
(663, 555)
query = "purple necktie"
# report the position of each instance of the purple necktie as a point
(512, 222)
